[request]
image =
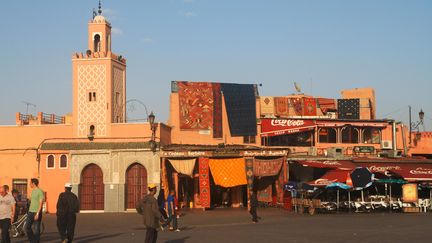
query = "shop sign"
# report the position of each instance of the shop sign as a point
(265, 153)
(364, 149)
(421, 171)
(185, 154)
(276, 127)
(409, 193)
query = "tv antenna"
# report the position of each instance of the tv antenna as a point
(27, 106)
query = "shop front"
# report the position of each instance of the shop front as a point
(211, 176)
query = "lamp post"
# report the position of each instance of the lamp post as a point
(415, 125)
(153, 127)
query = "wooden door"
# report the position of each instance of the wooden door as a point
(92, 188)
(136, 184)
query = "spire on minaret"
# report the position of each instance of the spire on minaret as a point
(100, 8)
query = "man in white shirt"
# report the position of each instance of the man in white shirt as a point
(7, 212)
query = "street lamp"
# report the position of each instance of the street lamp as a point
(415, 125)
(153, 127)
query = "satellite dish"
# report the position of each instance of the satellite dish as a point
(297, 87)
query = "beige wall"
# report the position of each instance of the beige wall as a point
(15, 161)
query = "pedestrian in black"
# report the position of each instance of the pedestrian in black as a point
(67, 207)
(161, 204)
(149, 210)
(253, 206)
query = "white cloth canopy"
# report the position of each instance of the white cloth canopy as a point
(183, 166)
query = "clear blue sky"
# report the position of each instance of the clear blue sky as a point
(325, 46)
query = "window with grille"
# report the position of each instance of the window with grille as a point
(50, 162)
(63, 161)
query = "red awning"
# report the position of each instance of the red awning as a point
(365, 124)
(409, 171)
(333, 164)
(330, 177)
(277, 127)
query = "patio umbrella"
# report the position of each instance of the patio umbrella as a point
(391, 181)
(338, 185)
(291, 185)
(305, 186)
(361, 178)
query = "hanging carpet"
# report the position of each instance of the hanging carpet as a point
(196, 105)
(240, 103)
(263, 167)
(228, 172)
(281, 106)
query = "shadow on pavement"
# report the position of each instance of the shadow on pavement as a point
(181, 240)
(91, 238)
(186, 228)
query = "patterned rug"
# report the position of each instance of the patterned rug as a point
(270, 167)
(204, 182)
(267, 105)
(196, 105)
(249, 172)
(309, 107)
(297, 105)
(326, 105)
(217, 111)
(281, 106)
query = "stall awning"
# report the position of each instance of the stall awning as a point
(277, 127)
(332, 164)
(185, 166)
(409, 171)
(228, 172)
(331, 177)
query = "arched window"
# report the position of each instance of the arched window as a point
(50, 162)
(63, 161)
(327, 135)
(372, 135)
(97, 43)
(350, 135)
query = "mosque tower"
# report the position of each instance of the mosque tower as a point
(99, 82)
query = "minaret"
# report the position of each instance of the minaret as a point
(99, 82)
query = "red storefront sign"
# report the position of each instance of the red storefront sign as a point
(332, 164)
(277, 127)
(331, 177)
(409, 171)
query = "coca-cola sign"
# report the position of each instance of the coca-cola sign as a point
(421, 171)
(276, 127)
(287, 123)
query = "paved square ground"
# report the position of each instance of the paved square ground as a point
(234, 225)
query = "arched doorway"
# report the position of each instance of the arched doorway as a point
(92, 189)
(136, 184)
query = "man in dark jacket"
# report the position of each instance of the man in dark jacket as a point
(67, 207)
(253, 206)
(149, 209)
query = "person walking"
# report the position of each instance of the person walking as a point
(7, 213)
(171, 211)
(149, 209)
(161, 204)
(67, 207)
(253, 206)
(17, 198)
(34, 215)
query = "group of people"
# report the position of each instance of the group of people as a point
(67, 207)
(158, 213)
